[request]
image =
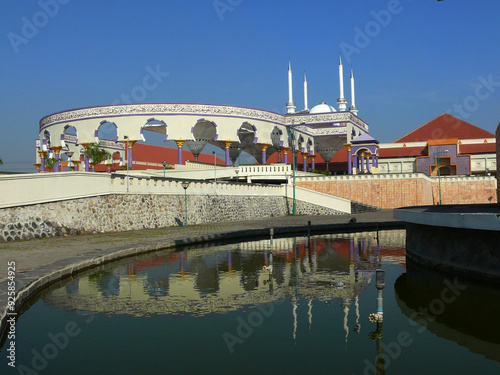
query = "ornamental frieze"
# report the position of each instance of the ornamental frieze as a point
(321, 131)
(161, 109)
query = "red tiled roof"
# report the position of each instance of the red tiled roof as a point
(400, 152)
(445, 126)
(478, 148)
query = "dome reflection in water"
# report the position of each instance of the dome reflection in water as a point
(295, 306)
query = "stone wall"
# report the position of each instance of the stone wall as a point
(119, 212)
(413, 190)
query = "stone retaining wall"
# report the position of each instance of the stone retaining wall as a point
(119, 212)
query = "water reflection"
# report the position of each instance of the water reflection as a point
(329, 268)
(452, 308)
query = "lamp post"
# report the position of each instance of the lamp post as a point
(439, 174)
(69, 154)
(215, 172)
(164, 166)
(185, 185)
(237, 171)
(126, 153)
(293, 167)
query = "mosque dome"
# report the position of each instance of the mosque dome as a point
(322, 108)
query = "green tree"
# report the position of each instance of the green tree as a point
(95, 154)
(50, 163)
(1, 162)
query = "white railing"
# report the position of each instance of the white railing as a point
(319, 199)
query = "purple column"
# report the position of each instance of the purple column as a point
(264, 157)
(304, 158)
(285, 154)
(42, 161)
(56, 164)
(349, 161)
(361, 164)
(179, 155)
(376, 160)
(86, 163)
(367, 164)
(228, 159)
(313, 164)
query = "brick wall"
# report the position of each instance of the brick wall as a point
(414, 190)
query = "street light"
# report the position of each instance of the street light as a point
(126, 154)
(292, 136)
(185, 185)
(164, 166)
(215, 172)
(439, 174)
(69, 154)
(237, 176)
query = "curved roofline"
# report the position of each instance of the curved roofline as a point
(146, 103)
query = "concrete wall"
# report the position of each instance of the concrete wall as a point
(402, 190)
(46, 205)
(469, 252)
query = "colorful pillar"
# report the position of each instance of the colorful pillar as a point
(263, 147)
(295, 155)
(37, 166)
(305, 155)
(367, 163)
(75, 165)
(42, 160)
(57, 151)
(348, 146)
(180, 143)
(313, 164)
(227, 145)
(285, 154)
(362, 162)
(130, 144)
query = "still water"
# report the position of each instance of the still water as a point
(295, 306)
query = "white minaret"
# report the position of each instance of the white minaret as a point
(305, 93)
(353, 108)
(290, 106)
(341, 102)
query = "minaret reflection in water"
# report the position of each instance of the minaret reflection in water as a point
(322, 270)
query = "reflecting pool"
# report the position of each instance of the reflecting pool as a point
(294, 305)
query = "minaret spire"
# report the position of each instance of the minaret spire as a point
(353, 108)
(290, 106)
(341, 101)
(305, 93)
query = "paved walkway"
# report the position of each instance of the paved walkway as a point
(44, 261)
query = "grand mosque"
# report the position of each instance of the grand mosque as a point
(321, 138)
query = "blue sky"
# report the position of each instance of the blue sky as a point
(427, 58)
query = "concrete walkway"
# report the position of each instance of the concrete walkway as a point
(42, 262)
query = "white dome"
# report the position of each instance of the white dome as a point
(322, 108)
